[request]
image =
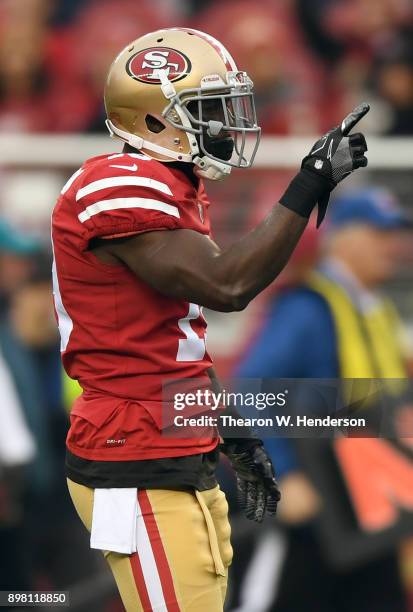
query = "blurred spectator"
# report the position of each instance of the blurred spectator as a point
(122, 21)
(32, 76)
(22, 78)
(17, 451)
(30, 345)
(352, 37)
(35, 92)
(65, 11)
(306, 335)
(368, 23)
(16, 249)
(266, 41)
(394, 82)
(17, 442)
(17, 446)
(27, 328)
(25, 11)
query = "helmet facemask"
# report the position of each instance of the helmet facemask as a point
(223, 120)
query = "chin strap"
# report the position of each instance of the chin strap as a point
(140, 143)
(211, 169)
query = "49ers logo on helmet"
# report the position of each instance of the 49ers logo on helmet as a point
(143, 66)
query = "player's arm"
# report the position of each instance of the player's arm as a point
(185, 264)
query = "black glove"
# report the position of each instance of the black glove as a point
(257, 488)
(336, 154)
(333, 157)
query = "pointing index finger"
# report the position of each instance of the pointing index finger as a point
(354, 117)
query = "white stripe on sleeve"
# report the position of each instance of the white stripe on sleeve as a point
(117, 203)
(71, 180)
(122, 181)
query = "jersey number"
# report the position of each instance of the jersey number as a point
(192, 347)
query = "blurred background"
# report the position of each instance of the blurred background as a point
(311, 61)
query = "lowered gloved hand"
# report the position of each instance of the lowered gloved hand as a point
(258, 490)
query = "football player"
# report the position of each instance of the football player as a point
(134, 265)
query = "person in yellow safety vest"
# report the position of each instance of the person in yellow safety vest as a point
(335, 324)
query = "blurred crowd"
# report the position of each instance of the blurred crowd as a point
(310, 60)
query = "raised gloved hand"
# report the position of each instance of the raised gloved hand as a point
(337, 154)
(258, 491)
(333, 157)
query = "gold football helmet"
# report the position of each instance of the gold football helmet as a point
(177, 95)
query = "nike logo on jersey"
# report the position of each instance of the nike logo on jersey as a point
(132, 168)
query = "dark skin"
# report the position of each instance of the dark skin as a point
(185, 264)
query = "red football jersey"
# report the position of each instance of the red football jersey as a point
(119, 337)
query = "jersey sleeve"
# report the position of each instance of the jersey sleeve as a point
(119, 201)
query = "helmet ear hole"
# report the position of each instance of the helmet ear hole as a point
(153, 124)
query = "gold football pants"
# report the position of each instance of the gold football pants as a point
(182, 562)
